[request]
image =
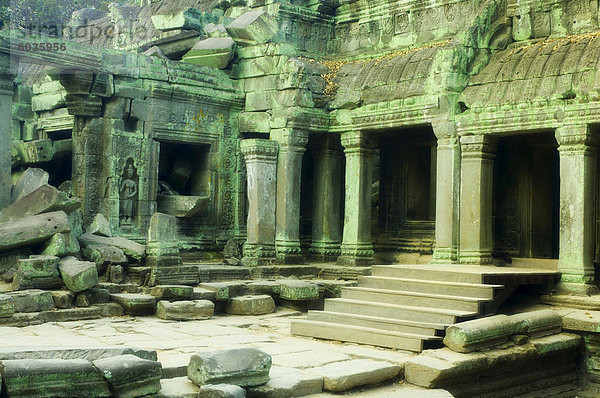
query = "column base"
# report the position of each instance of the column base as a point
(288, 252)
(325, 251)
(356, 254)
(476, 257)
(576, 289)
(258, 254)
(444, 255)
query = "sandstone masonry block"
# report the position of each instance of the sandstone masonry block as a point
(251, 28)
(185, 310)
(250, 305)
(33, 300)
(135, 304)
(78, 275)
(244, 367)
(298, 290)
(7, 306)
(129, 376)
(342, 376)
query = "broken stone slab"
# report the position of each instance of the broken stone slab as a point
(129, 376)
(190, 18)
(63, 299)
(479, 333)
(52, 378)
(172, 292)
(342, 376)
(72, 314)
(250, 305)
(130, 248)
(215, 52)
(7, 306)
(185, 310)
(251, 28)
(95, 296)
(29, 181)
(60, 245)
(104, 255)
(109, 310)
(244, 367)
(99, 226)
(271, 288)
(222, 391)
(32, 300)
(78, 275)
(537, 323)
(201, 293)
(44, 199)
(37, 272)
(298, 290)
(88, 353)
(135, 304)
(288, 382)
(32, 230)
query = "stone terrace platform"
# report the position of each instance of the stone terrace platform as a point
(409, 307)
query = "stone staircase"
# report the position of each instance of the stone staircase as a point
(409, 307)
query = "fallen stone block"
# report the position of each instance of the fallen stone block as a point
(342, 376)
(104, 255)
(201, 293)
(95, 295)
(244, 367)
(213, 52)
(250, 305)
(537, 323)
(135, 304)
(99, 226)
(222, 391)
(72, 314)
(129, 376)
(287, 383)
(7, 306)
(189, 18)
(88, 353)
(185, 310)
(78, 275)
(230, 288)
(44, 199)
(37, 272)
(130, 248)
(52, 378)
(479, 333)
(33, 300)
(251, 28)
(298, 290)
(271, 288)
(63, 299)
(60, 245)
(29, 181)
(31, 230)
(109, 310)
(178, 387)
(172, 292)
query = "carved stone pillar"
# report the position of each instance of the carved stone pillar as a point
(261, 166)
(446, 204)
(476, 240)
(292, 145)
(327, 181)
(357, 248)
(577, 182)
(6, 95)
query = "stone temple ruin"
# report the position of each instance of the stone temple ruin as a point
(417, 164)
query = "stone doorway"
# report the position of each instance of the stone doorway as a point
(526, 197)
(404, 192)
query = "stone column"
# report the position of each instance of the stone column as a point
(6, 96)
(357, 248)
(292, 145)
(577, 182)
(446, 200)
(476, 240)
(327, 185)
(261, 166)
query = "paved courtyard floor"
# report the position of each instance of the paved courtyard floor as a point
(176, 341)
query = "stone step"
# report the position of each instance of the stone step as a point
(427, 273)
(409, 313)
(414, 299)
(392, 325)
(362, 335)
(428, 286)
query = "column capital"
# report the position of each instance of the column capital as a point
(576, 137)
(478, 146)
(447, 142)
(358, 140)
(259, 149)
(294, 139)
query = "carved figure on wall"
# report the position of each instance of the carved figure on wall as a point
(128, 191)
